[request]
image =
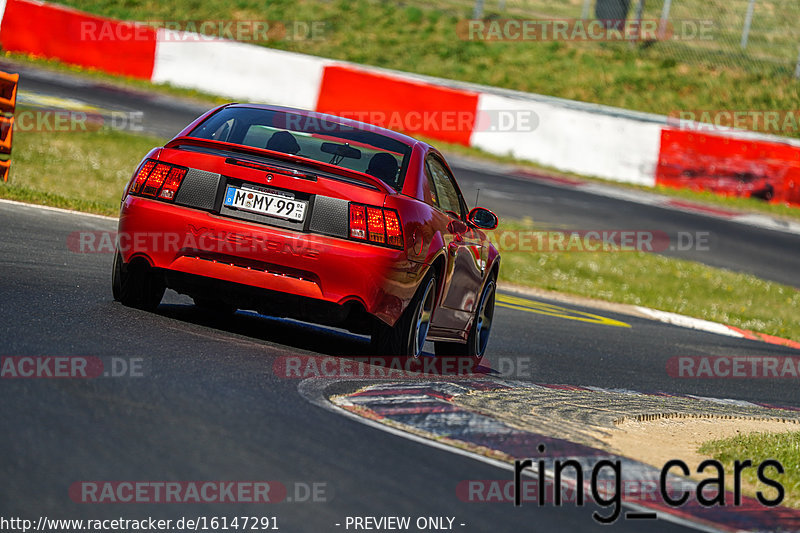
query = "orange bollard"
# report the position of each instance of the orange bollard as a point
(8, 91)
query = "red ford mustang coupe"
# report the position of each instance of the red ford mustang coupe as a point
(298, 214)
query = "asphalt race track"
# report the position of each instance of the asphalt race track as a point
(209, 405)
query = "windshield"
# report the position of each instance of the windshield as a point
(311, 137)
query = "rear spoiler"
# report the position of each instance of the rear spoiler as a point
(372, 181)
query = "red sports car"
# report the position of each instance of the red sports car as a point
(310, 216)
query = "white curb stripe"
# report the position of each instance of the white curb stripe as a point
(689, 322)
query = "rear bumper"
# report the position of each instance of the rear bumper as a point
(198, 244)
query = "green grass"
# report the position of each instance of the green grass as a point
(418, 36)
(651, 280)
(19, 193)
(783, 447)
(76, 170)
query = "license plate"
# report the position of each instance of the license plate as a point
(265, 203)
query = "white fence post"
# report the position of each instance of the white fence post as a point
(478, 11)
(797, 66)
(748, 20)
(662, 27)
(587, 7)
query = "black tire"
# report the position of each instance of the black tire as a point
(212, 305)
(407, 337)
(135, 284)
(478, 338)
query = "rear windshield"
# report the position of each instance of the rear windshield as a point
(310, 137)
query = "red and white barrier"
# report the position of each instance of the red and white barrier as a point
(238, 70)
(417, 107)
(570, 136)
(75, 37)
(730, 164)
(572, 140)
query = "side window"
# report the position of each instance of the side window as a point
(223, 132)
(431, 197)
(257, 135)
(445, 193)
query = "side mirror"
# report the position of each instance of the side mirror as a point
(482, 218)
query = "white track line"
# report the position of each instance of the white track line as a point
(56, 209)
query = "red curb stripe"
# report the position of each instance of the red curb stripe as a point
(720, 164)
(779, 340)
(553, 179)
(415, 409)
(763, 337)
(683, 204)
(745, 333)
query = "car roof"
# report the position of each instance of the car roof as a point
(405, 139)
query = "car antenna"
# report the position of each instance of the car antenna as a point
(477, 195)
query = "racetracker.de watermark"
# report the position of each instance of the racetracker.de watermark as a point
(779, 122)
(597, 240)
(503, 491)
(584, 30)
(379, 367)
(532, 241)
(734, 367)
(70, 367)
(442, 120)
(203, 30)
(198, 238)
(226, 492)
(65, 120)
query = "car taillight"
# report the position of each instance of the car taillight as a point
(156, 179)
(394, 233)
(358, 222)
(141, 176)
(160, 180)
(376, 225)
(171, 184)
